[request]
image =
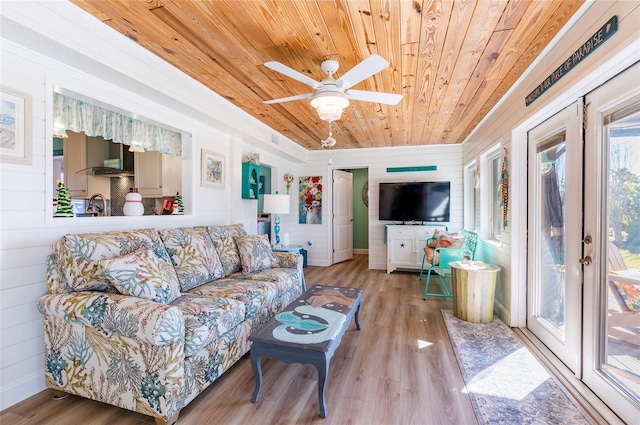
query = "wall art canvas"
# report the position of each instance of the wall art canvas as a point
(15, 126)
(310, 200)
(212, 170)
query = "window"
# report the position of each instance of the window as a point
(472, 197)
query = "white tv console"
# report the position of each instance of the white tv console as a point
(405, 244)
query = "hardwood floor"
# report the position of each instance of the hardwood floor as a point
(399, 369)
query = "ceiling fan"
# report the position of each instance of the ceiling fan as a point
(332, 95)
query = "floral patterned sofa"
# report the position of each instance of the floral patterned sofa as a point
(147, 319)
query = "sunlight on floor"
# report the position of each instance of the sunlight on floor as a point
(422, 344)
(497, 380)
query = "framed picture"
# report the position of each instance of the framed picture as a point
(15, 126)
(310, 200)
(167, 207)
(212, 169)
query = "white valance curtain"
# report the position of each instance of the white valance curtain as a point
(80, 116)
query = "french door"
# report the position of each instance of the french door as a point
(554, 281)
(583, 281)
(611, 348)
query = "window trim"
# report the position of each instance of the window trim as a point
(471, 197)
(490, 196)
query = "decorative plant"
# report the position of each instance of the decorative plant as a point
(288, 178)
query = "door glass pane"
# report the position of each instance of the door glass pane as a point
(622, 348)
(550, 298)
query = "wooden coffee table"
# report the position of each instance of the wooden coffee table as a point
(307, 331)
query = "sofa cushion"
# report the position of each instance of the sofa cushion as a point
(226, 247)
(85, 274)
(143, 275)
(256, 295)
(284, 279)
(193, 254)
(255, 253)
(207, 318)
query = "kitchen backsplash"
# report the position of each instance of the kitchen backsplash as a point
(119, 188)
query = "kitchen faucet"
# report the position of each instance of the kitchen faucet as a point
(90, 207)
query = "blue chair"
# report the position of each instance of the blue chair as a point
(441, 259)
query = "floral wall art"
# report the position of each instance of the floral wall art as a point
(310, 200)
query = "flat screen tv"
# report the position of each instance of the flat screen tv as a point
(415, 201)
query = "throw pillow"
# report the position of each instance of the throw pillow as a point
(142, 274)
(450, 240)
(85, 274)
(429, 252)
(226, 248)
(255, 253)
(193, 255)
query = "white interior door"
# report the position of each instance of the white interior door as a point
(611, 344)
(342, 216)
(554, 281)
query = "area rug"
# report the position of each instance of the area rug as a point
(506, 383)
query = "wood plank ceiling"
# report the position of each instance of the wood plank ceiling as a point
(452, 60)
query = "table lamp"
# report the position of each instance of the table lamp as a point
(276, 204)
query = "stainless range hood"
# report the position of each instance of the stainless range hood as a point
(117, 154)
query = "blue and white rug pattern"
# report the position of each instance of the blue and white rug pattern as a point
(506, 383)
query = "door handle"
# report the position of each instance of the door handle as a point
(586, 261)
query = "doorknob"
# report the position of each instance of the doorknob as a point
(587, 240)
(586, 261)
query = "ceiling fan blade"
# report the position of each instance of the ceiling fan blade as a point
(362, 71)
(374, 96)
(290, 98)
(292, 73)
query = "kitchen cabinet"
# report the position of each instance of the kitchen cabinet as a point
(250, 174)
(157, 175)
(405, 245)
(81, 152)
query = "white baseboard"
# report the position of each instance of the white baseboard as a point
(361, 251)
(22, 390)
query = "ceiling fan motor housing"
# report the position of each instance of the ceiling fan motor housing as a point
(330, 66)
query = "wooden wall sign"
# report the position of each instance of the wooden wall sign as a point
(406, 169)
(595, 41)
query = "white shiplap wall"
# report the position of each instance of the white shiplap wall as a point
(447, 158)
(509, 121)
(85, 56)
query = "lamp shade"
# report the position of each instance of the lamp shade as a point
(276, 204)
(329, 106)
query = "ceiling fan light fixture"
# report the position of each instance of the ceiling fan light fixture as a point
(329, 107)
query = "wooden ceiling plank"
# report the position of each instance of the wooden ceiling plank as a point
(540, 39)
(243, 82)
(135, 22)
(408, 66)
(316, 28)
(534, 17)
(486, 16)
(386, 24)
(512, 15)
(437, 16)
(410, 21)
(363, 32)
(262, 77)
(470, 94)
(432, 45)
